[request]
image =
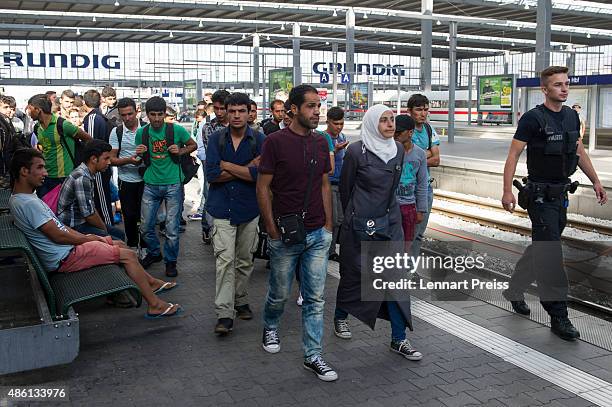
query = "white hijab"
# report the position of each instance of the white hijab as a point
(383, 148)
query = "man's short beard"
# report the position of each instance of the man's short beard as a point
(304, 122)
(238, 127)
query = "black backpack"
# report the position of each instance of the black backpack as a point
(187, 163)
(76, 155)
(429, 131)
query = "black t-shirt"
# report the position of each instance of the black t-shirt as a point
(528, 125)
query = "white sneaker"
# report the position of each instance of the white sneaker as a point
(300, 300)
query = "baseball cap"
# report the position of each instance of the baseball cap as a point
(404, 122)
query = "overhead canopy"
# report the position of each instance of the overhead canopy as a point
(486, 27)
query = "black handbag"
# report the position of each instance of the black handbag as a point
(291, 226)
(377, 229)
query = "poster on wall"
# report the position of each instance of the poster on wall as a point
(495, 93)
(359, 97)
(280, 83)
(323, 95)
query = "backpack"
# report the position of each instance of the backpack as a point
(119, 132)
(187, 163)
(429, 131)
(75, 156)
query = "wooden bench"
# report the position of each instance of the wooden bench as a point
(63, 290)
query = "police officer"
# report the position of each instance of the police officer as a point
(551, 133)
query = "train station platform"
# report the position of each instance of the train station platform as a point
(474, 354)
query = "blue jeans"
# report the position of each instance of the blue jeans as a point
(87, 229)
(419, 230)
(152, 198)
(398, 322)
(312, 255)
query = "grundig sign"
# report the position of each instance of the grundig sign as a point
(360, 69)
(41, 60)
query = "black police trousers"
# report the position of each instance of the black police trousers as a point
(542, 261)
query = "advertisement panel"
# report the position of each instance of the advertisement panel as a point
(359, 97)
(495, 93)
(280, 83)
(323, 95)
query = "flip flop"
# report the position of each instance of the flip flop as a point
(164, 287)
(165, 313)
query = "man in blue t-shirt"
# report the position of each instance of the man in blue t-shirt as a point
(424, 136)
(335, 124)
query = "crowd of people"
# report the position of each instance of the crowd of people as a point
(304, 191)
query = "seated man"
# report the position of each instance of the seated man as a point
(65, 250)
(75, 206)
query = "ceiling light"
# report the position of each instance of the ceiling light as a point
(589, 35)
(243, 36)
(518, 28)
(201, 24)
(268, 37)
(526, 6)
(394, 47)
(365, 15)
(309, 28)
(282, 26)
(438, 22)
(116, 4)
(335, 13)
(93, 19)
(171, 35)
(326, 42)
(512, 45)
(241, 8)
(78, 32)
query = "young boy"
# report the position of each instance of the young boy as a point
(412, 188)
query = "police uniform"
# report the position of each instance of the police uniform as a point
(551, 139)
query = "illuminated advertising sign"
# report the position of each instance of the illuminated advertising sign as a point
(495, 93)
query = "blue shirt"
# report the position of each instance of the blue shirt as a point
(338, 158)
(235, 200)
(29, 214)
(128, 172)
(421, 139)
(413, 184)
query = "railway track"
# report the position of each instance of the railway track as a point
(597, 247)
(576, 224)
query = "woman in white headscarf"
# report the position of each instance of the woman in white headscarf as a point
(370, 174)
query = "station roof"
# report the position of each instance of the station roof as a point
(485, 27)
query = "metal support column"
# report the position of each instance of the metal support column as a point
(452, 79)
(350, 55)
(515, 102)
(571, 62)
(426, 29)
(255, 66)
(470, 73)
(297, 67)
(335, 74)
(593, 98)
(544, 21)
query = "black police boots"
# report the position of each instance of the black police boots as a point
(518, 305)
(563, 328)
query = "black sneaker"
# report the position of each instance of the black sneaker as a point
(518, 304)
(405, 349)
(321, 369)
(341, 329)
(244, 312)
(271, 341)
(563, 328)
(206, 237)
(171, 269)
(224, 326)
(149, 259)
